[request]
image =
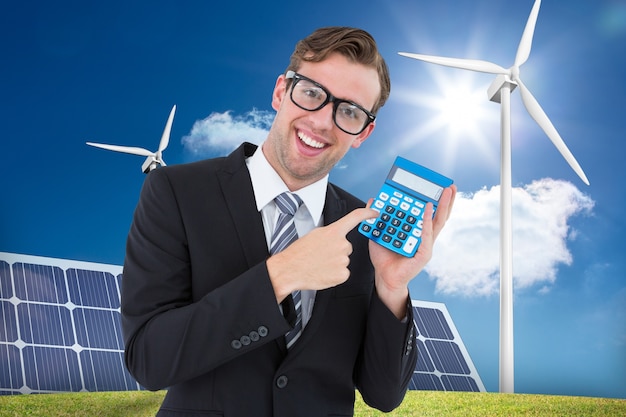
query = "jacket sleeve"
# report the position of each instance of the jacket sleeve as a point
(172, 331)
(388, 357)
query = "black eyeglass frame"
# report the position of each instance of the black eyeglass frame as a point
(329, 98)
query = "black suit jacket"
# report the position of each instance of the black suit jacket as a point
(200, 318)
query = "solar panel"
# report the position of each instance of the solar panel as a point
(60, 327)
(61, 332)
(443, 362)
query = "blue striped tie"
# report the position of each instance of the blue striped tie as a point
(284, 234)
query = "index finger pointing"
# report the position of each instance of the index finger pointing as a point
(350, 220)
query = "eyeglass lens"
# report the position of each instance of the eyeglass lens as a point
(310, 96)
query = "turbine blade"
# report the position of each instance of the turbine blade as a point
(537, 113)
(165, 138)
(124, 149)
(523, 50)
(468, 64)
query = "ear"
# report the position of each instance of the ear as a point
(279, 92)
(358, 140)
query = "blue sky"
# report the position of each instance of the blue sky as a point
(110, 72)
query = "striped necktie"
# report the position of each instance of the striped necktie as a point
(284, 234)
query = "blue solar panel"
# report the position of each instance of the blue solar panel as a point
(39, 283)
(60, 327)
(8, 330)
(44, 324)
(459, 383)
(426, 382)
(443, 363)
(6, 289)
(93, 288)
(104, 371)
(10, 368)
(98, 328)
(51, 369)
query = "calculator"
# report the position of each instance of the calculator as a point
(401, 203)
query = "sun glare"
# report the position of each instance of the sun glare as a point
(460, 114)
(461, 110)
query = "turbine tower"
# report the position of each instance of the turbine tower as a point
(500, 92)
(153, 159)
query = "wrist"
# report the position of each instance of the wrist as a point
(278, 278)
(394, 298)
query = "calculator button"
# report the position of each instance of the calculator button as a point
(407, 228)
(404, 206)
(379, 204)
(411, 220)
(396, 222)
(415, 211)
(394, 201)
(417, 232)
(383, 196)
(408, 199)
(370, 221)
(390, 209)
(386, 238)
(376, 233)
(400, 214)
(419, 204)
(366, 227)
(402, 236)
(397, 244)
(391, 230)
(410, 244)
(398, 194)
(385, 217)
(381, 225)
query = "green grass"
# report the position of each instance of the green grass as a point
(416, 403)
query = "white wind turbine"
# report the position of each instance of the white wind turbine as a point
(154, 159)
(500, 92)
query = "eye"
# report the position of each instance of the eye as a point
(349, 111)
(312, 93)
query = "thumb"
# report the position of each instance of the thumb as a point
(350, 220)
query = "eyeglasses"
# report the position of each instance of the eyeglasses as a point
(312, 96)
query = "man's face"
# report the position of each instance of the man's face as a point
(303, 146)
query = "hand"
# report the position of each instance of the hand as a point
(318, 260)
(394, 271)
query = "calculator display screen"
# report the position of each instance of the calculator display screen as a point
(418, 184)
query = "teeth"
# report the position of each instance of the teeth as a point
(310, 142)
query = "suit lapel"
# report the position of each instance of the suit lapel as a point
(237, 189)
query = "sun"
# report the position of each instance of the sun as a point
(460, 115)
(460, 110)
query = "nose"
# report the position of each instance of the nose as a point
(323, 118)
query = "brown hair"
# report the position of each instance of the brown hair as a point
(355, 44)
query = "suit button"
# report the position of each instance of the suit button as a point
(254, 336)
(236, 344)
(245, 340)
(282, 381)
(263, 331)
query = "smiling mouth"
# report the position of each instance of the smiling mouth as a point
(310, 142)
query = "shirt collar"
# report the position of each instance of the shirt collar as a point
(267, 184)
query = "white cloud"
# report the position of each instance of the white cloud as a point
(466, 258)
(223, 131)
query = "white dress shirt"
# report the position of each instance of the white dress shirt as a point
(267, 185)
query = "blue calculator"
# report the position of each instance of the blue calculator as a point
(401, 203)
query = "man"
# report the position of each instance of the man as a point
(208, 306)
